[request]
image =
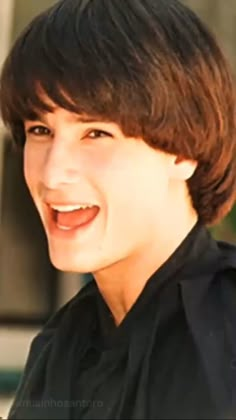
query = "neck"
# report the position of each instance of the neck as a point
(121, 283)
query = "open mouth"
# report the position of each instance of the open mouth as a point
(71, 217)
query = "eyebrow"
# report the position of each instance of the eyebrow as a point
(87, 119)
(83, 118)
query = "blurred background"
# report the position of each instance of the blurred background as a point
(31, 290)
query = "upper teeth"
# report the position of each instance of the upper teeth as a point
(71, 208)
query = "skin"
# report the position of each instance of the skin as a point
(145, 208)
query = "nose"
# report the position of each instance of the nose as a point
(59, 167)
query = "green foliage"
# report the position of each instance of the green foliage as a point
(226, 230)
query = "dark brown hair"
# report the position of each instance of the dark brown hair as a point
(149, 65)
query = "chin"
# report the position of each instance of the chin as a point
(71, 266)
(75, 263)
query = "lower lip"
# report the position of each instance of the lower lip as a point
(55, 230)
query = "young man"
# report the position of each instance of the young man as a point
(125, 110)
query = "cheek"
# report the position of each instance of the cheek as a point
(27, 166)
(134, 188)
(32, 167)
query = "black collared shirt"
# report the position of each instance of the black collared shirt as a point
(172, 357)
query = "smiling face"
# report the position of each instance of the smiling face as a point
(72, 163)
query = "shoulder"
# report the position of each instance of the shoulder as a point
(227, 266)
(77, 303)
(227, 277)
(47, 334)
(209, 292)
(61, 323)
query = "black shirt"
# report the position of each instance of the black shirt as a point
(173, 356)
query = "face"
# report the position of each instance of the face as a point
(99, 194)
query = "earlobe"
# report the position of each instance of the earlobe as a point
(183, 169)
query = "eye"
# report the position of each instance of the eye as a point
(95, 134)
(38, 130)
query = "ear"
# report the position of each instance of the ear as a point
(182, 168)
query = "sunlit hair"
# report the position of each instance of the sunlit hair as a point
(151, 66)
